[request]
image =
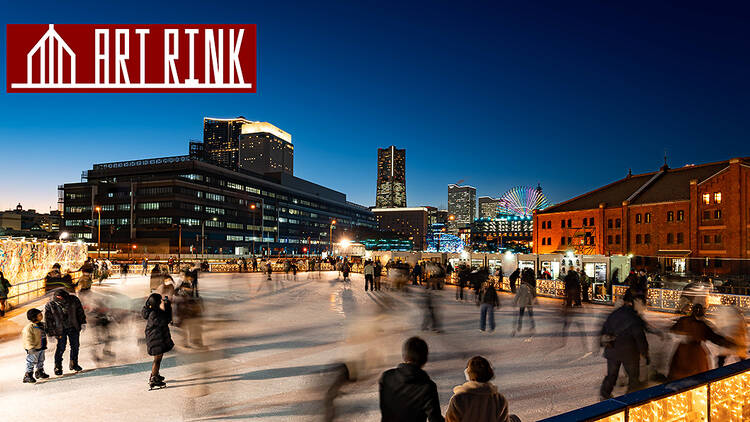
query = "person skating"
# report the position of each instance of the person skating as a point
(477, 400)
(623, 337)
(65, 319)
(430, 318)
(377, 274)
(407, 394)
(87, 272)
(188, 313)
(157, 278)
(691, 356)
(35, 344)
(524, 300)
(513, 279)
(369, 272)
(487, 307)
(4, 290)
(157, 311)
(572, 288)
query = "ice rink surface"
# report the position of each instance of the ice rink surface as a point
(271, 353)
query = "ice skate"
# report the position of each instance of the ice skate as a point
(156, 382)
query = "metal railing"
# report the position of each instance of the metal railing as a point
(721, 394)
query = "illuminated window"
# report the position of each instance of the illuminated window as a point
(648, 217)
(717, 197)
(638, 218)
(717, 214)
(706, 198)
(670, 215)
(680, 215)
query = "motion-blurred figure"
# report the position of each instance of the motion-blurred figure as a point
(188, 316)
(730, 323)
(691, 356)
(623, 337)
(430, 319)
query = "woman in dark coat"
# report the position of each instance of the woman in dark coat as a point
(158, 314)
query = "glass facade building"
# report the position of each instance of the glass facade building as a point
(462, 205)
(391, 188)
(150, 203)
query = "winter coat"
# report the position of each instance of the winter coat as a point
(477, 402)
(33, 336)
(527, 276)
(158, 339)
(626, 330)
(87, 267)
(369, 269)
(55, 280)
(524, 298)
(490, 297)
(572, 282)
(407, 394)
(4, 287)
(378, 270)
(63, 312)
(691, 356)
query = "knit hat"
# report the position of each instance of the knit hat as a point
(32, 313)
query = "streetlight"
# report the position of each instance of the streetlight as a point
(330, 236)
(99, 233)
(252, 207)
(203, 235)
(63, 235)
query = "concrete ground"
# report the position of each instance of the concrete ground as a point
(271, 353)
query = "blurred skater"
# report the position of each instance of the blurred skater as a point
(489, 302)
(691, 356)
(188, 316)
(623, 337)
(430, 318)
(730, 323)
(524, 300)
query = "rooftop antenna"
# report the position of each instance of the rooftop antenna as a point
(665, 167)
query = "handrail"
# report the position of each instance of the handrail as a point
(716, 395)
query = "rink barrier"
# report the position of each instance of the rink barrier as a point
(28, 291)
(721, 394)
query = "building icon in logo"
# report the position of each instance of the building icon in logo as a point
(51, 49)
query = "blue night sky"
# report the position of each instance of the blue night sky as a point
(567, 94)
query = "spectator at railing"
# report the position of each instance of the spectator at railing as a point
(407, 393)
(477, 400)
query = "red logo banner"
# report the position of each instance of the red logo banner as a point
(131, 58)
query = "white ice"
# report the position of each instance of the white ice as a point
(270, 353)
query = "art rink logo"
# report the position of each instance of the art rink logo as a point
(131, 58)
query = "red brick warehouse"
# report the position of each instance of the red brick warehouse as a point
(696, 217)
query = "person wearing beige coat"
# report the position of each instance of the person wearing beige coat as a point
(35, 343)
(477, 400)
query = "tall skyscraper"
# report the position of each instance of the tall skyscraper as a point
(264, 149)
(391, 190)
(239, 143)
(462, 206)
(221, 140)
(488, 207)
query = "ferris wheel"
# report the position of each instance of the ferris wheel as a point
(521, 201)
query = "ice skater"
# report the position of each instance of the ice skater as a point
(524, 300)
(158, 314)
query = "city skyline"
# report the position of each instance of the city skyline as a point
(617, 97)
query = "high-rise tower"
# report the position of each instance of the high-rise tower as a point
(391, 190)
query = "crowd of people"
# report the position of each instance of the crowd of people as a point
(406, 392)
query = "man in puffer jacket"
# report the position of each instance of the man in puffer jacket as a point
(65, 319)
(477, 400)
(407, 394)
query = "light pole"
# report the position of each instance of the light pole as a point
(203, 235)
(99, 233)
(252, 207)
(330, 237)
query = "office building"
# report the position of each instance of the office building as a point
(488, 207)
(238, 143)
(391, 188)
(513, 233)
(409, 223)
(155, 205)
(462, 204)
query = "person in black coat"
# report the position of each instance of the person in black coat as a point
(65, 318)
(513, 279)
(624, 342)
(572, 288)
(407, 394)
(158, 314)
